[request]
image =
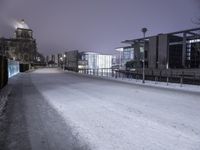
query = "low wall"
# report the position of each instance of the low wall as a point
(3, 71)
(13, 68)
(24, 67)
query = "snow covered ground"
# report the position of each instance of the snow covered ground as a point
(111, 115)
(4, 93)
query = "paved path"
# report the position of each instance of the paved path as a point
(52, 110)
(33, 124)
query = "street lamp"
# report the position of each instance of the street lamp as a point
(144, 30)
(64, 61)
(61, 62)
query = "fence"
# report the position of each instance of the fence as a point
(3, 71)
(182, 76)
(106, 72)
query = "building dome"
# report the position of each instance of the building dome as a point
(21, 24)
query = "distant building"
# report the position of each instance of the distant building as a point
(53, 58)
(70, 60)
(59, 61)
(40, 58)
(171, 50)
(47, 59)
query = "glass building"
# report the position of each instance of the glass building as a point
(126, 54)
(90, 60)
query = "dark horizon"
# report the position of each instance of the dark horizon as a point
(97, 26)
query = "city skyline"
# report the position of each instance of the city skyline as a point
(97, 26)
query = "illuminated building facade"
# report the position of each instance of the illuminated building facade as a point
(90, 60)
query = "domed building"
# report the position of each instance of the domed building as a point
(22, 47)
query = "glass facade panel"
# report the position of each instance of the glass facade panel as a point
(13, 68)
(128, 55)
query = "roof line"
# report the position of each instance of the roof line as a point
(177, 32)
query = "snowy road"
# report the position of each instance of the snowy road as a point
(56, 110)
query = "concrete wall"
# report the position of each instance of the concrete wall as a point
(137, 55)
(152, 52)
(71, 60)
(162, 51)
(137, 51)
(3, 71)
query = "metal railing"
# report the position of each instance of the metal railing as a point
(103, 72)
(182, 76)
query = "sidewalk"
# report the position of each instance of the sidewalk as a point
(176, 86)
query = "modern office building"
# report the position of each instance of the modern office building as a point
(179, 49)
(91, 60)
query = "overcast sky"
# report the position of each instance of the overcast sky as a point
(95, 25)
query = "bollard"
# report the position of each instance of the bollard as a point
(156, 78)
(181, 81)
(194, 78)
(167, 80)
(182, 76)
(136, 76)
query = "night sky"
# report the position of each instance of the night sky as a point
(95, 25)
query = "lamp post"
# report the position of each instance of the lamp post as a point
(64, 61)
(144, 30)
(61, 62)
